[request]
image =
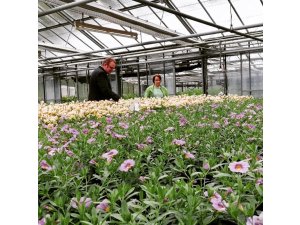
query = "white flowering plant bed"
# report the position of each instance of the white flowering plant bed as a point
(178, 160)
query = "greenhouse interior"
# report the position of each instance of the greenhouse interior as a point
(190, 154)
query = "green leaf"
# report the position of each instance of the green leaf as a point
(118, 217)
(75, 215)
(165, 214)
(86, 222)
(208, 220)
(195, 173)
(153, 204)
(222, 175)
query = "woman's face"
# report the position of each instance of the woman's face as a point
(157, 81)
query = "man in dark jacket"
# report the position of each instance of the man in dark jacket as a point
(99, 86)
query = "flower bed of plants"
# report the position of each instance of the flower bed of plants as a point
(178, 160)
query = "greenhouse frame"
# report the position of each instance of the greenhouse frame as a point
(214, 45)
(150, 112)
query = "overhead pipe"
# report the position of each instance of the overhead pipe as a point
(63, 7)
(195, 19)
(152, 42)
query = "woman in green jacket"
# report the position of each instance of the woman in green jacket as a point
(156, 90)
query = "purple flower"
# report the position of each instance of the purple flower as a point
(220, 206)
(188, 155)
(178, 142)
(141, 146)
(216, 197)
(92, 161)
(85, 131)
(127, 165)
(69, 153)
(229, 191)
(250, 126)
(240, 116)
(109, 155)
(45, 166)
(226, 121)
(216, 125)
(206, 166)
(94, 124)
(149, 140)
(182, 121)
(259, 181)
(124, 125)
(83, 200)
(214, 105)
(239, 167)
(118, 136)
(91, 140)
(103, 206)
(255, 220)
(42, 221)
(108, 120)
(142, 178)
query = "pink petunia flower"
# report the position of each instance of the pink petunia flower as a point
(216, 197)
(206, 166)
(188, 155)
(83, 200)
(108, 120)
(118, 136)
(182, 121)
(109, 155)
(85, 131)
(259, 181)
(45, 166)
(142, 178)
(124, 125)
(255, 220)
(127, 165)
(220, 206)
(91, 140)
(149, 140)
(69, 153)
(103, 206)
(178, 142)
(42, 221)
(239, 167)
(92, 161)
(141, 146)
(216, 125)
(229, 191)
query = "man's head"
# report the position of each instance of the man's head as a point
(109, 64)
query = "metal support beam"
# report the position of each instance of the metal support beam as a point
(241, 63)
(139, 79)
(63, 7)
(225, 75)
(77, 88)
(195, 19)
(204, 72)
(151, 42)
(250, 78)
